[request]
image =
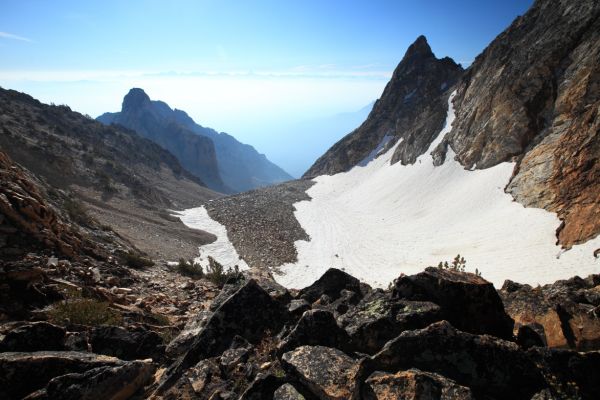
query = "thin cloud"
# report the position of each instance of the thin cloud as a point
(5, 35)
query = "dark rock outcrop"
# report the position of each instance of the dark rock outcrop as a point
(488, 365)
(126, 344)
(412, 107)
(37, 336)
(23, 373)
(468, 301)
(378, 318)
(332, 284)
(236, 316)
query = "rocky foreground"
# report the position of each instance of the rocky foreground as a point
(440, 334)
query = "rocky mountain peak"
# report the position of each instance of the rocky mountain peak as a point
(135, 99)
(418, 50)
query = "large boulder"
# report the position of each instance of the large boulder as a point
(379, 318)
(127, 344)
(250, 312)
(413, 385)
(489, 366)
(568, 311)
(24, 373)
(328, 373)
(332, 284)
(103, 383)
(316, 327)
(287, 392)
(37, 336)
(467, 301)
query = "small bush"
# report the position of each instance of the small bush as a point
(136, 261)
(458, 264)
(77, 212)
(84, 312)
(190, 268)
(217, 274)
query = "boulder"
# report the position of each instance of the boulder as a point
(185, 338)
(489, 366)
(331, 284)
(23, 373)
(287, 392)
(467, 301)
(567, 310)
(103, 383)
(413, 385)
(379, 318)
(571, 374)
(528, 336)
(250, 313)
(328, 373)
(127, 344)
(316, 327)
(36, 336)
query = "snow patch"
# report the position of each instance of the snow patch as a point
(376, 151)
(222, 249)
(380, 220)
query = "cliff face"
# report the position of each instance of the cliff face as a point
(533, 96)
(147, 118)
(412, 108)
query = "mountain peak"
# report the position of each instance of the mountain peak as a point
(420, 47)
(135, 99)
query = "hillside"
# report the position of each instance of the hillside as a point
(123, 180)
(218, 158)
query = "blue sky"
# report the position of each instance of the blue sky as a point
(246, 67)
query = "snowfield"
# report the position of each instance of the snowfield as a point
(379, 220)
(221, 249)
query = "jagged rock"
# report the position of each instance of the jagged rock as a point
(37, 336)
(316, 327)
(378, 318)
(24, 373)
(488, 365)
(331, 284)
(413, 385)
(297, 307)
(237, 353)
(236, 316)
(567, 310)
(570, 374)
(127, 344)
(467, 301)
(328, 373)
(412, 108)
(287, 392)
(110, 383)
(185, 338)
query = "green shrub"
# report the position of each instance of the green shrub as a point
(77, 212)
(458, 264)
(136, 261)
(84, 312)
(190, 268)
(217, 274)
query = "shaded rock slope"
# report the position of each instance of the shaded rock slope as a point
(106, 173)
(225, 164)
(531, 97)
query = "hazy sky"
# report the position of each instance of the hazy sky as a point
(246, 67)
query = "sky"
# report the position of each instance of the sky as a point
(253, 69)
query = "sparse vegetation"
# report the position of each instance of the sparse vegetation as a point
(137, 261)
(83, 312)
(458, 264)
(190, 268)
(77, 212)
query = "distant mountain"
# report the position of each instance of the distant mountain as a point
(221, 161)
